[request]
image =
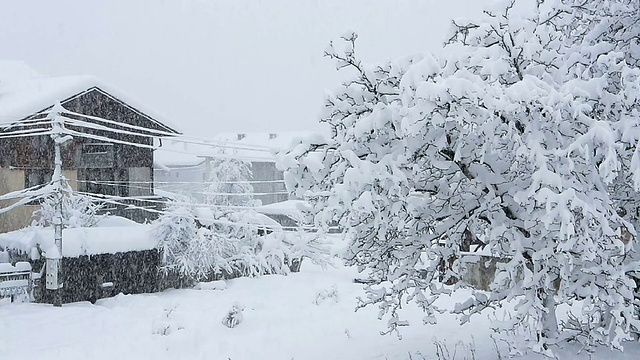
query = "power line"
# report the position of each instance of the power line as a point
(174, 137)
(189, 182)
(107, 183)
(25, 131)
(49, 132)
(153, 147)
(80, 123)
(114, 200)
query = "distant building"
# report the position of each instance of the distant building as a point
(91, 165)
(183, 167)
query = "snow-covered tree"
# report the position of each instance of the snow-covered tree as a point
(229, 182)
(77, 210)
(190, 252)
(524, 131)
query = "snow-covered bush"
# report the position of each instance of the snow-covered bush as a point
(190, 252)
(235, 245)
(175, 230)
(234, 316)
(327, 294)
(77, 210)
(166, 325)
(302, 245)
(524, 131)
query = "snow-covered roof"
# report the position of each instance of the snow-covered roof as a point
(291, 208)
(204, 215)
(174, 152)
(261, 220)
(24, 92)
(253, 147)
(83, 241)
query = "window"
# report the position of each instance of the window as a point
(97, 156)
(103, 181)
(34, 177)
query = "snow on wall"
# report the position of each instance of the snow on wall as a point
(18, 267)
(83, 241)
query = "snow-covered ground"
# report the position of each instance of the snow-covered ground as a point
(308, 315)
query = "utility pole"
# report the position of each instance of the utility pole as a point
(55, 273)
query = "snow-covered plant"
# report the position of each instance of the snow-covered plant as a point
(234, 316)
(229, 182)
(175, 229)
(191, 252)
(302, 245)
(461, 350)
(233, 246)
(524, 131)
(77, 210)
(327, 294)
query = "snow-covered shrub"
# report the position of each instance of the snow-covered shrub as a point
(302, 245)
(524, 131)
(323, 295)
(236, 242)
(190, 252)
(460, 350)
(175, 230)
(234, 316)
(166, 324)
(77, 210)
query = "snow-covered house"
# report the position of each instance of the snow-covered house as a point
(96, 160)
(183, 165)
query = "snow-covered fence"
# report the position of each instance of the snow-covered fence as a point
(15, 280)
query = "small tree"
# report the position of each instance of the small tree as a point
(230, 182)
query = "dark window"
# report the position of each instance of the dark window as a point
(34, 177)
(97, 155)
(103, 181)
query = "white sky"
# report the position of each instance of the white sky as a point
(217, 66)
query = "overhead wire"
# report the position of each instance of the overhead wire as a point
(175, 137)
(26, 135)
(204, 193)
(192, 182)
(114, 200)
(183, 139)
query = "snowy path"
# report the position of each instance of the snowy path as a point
(281, 321)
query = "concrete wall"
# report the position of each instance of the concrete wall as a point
(19, 217)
